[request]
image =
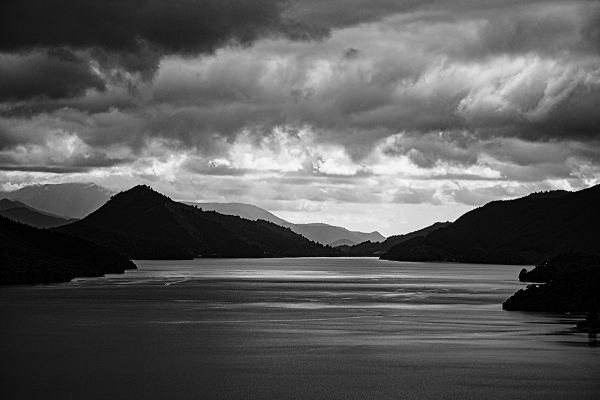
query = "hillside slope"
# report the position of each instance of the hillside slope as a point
(522, 231)
(369, 249)
(317, 232)
(143, 224)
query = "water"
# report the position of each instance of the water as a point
(290, 329)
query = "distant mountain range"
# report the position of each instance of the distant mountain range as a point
(31, 255)
(522, 231)
(143, 224)
(65, 200)
(321, 233)
(21, 212)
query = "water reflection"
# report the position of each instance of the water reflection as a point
(431, 301)
(294, 329)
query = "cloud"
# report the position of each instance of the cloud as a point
(53, 74)
(351, 53)
(184, 27)
(46, 42)
(302, 104)
(401, 82)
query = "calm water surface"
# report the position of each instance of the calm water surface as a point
(290, 329)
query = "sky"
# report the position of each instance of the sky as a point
(369, 114)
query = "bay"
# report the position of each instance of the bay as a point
(306, 328)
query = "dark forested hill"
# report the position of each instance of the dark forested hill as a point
(31, 255)
(143, 224)
(368, 249)
(522, 231)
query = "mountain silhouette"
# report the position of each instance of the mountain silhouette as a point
(30, 255)
(329, 234)
(67, 200)
(143, 224)
(521, 231)
(317, 232)
(369, 249)
(21, 212)
(243, 210)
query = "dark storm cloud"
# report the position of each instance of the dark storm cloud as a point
(184, 26)
(53, 74)
(135, 34)
(121, 36)
(127, 27)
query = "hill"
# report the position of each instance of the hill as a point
(30, 255)
(528, 230)
(342, 242)
(143, 224)
(369, 249)
(571, 283)
(20, 212)
(317, 232)
(243, 210)
(70, 200)
(328, 234)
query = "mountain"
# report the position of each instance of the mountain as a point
(30, 255)
(317, 232)
(571, 283)
(20, 212)
(143, 224)
(6, 204)
(247, 211)
(71, 200)
(327, 234)
(369, 249)
(342, 242)
(528, 230)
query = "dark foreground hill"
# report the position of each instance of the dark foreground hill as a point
(21, 212)
(143, 224)
(569, 283)
(369, 249)
(528, 230)
(30, 255)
